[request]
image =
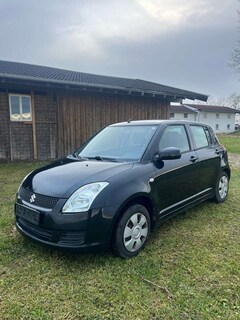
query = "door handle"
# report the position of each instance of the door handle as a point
(193, 159)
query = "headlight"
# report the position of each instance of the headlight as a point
(83, 197)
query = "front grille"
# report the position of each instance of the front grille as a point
(40, 233)
(40, 200)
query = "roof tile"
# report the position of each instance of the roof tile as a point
(45, 74)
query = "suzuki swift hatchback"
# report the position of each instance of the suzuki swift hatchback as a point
(112, 190)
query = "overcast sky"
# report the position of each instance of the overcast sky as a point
(181, 43)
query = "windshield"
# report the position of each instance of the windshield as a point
(119, 143)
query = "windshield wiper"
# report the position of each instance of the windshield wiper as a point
(99, 158)
(95, 158)
(77, 156)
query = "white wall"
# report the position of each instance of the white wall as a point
(223, 121)
(180, 116)
(211, 119)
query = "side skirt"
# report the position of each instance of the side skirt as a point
(186, 204)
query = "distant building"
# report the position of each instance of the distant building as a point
(181, 112)
(221, 119)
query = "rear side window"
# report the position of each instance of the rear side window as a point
(214, 138)
(208, 135)
(201, 136)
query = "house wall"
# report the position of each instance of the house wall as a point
(211, 120)
(180, 116)
(222, 121)
(64, 121)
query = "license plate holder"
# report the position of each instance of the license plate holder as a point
(28, 214)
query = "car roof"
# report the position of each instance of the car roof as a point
(138, 123)
(155, 123)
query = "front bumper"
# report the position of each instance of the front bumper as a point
(79, 231)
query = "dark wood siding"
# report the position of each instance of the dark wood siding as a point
(21, 140)
(4, 127)
(82, 115)
(63, 121)
(46, 126)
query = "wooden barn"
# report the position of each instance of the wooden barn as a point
(46, 113)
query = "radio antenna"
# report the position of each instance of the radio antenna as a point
(130, 119)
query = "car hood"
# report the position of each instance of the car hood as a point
(63, 177)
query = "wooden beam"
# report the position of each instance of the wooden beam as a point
(34, 126)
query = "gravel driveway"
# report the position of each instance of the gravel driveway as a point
(234, 160)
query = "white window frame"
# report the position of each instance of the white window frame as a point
(185, 115)
(228, 126)
(217, 126)
(21, 119)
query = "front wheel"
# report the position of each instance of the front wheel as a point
(132, 231)
(222, 186)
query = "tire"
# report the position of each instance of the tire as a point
(222, 187)
(132, 232)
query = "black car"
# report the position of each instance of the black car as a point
(111, 192)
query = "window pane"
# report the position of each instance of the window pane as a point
(26, 108)
(15, 107)
(119, 142)
(208, 136)
(20, 108)
(174, 136)
(199, 136)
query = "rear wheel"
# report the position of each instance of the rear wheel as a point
(132, 231)
(222, 186)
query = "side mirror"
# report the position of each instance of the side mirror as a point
(170, 153)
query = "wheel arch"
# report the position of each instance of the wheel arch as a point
(138, 199)
(228, 172)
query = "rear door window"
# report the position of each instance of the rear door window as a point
(201, 136)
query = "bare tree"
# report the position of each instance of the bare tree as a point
(233, 101)
(235, 57)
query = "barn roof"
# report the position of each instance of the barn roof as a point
(15, 72)
(211, 108)
(180, 108)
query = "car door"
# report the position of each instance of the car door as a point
(175, 181)
(209, 161)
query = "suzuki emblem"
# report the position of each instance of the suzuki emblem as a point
(33, 197)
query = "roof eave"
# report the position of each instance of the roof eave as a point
(53, 83)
